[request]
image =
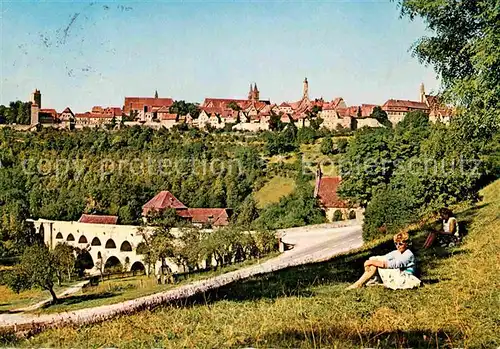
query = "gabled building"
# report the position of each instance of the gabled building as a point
(201, 216)
(143, 107)
(336, 209)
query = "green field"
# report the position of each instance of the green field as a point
(122, 289)
(274, 190)
(307, 306)
(9, 300)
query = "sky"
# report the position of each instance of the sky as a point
(82, 53)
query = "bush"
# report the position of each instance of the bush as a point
(388, 212)
(327, 146)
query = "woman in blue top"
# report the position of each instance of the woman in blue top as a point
(396, 269)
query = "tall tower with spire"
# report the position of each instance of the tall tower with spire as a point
(422, 93)
(256, 93)
(156, 93)
(305, 94)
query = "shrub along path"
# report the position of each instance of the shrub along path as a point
(322, 243)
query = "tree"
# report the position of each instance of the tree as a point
(380, 116)
(183, 108)
(64, 260)
(275, 123)
(247, 212)
(366, 164)
(341, 145)
(161, 246)
(326, 145)
(36, 269)
(463, 49)
(316, 123)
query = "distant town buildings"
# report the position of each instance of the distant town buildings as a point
(251, 114)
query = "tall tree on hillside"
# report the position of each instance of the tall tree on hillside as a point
(463, 49)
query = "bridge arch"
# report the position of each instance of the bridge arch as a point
(113, 265)
(110, 244)
(95, 242)
(352, 214)
(59, 236)
(83, 262)
(137, 267)
(82, 240)
(126, 246)
(70, 237)
(337, 216)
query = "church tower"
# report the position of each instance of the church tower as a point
(250, 93)
(36, 104)
(422, 93)
(256, 93)
(36, 98)
(305, 94)
(156, 93)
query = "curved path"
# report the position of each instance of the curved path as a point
(310, 244)
(69, 291)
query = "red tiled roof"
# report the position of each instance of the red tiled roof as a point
(168, 116)
(52, 112)
(98, 219)
(222, 103)
(397, 104)
(214, 216)
(83, 115)
(161, 201)
(139, 103)
(367, 109)
(327, 192)
(67, 110)
(337, 101)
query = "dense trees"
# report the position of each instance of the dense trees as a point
(16, 113)
(418, 167)
(399, 174)
(183, 108)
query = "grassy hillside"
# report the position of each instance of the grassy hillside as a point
(307, 306)
(274, 190)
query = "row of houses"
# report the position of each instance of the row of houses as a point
(251, 114)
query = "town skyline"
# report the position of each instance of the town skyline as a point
(77, 56)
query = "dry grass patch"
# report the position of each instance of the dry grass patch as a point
(274, 190)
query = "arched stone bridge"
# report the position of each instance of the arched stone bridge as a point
(108, 244)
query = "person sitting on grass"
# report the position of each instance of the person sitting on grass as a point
(449, 232)
(396, 269)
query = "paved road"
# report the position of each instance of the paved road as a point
(311, 244)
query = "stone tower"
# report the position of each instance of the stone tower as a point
(156, 94)
(36, 104)
(422, 93)
(250, 93)
(305, 94)
(36, 98)
(256, 93)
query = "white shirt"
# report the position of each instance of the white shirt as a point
(446, 225)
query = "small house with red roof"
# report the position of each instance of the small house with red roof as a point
(165, 200)
(335, 208)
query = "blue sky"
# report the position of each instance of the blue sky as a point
(81, 54)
